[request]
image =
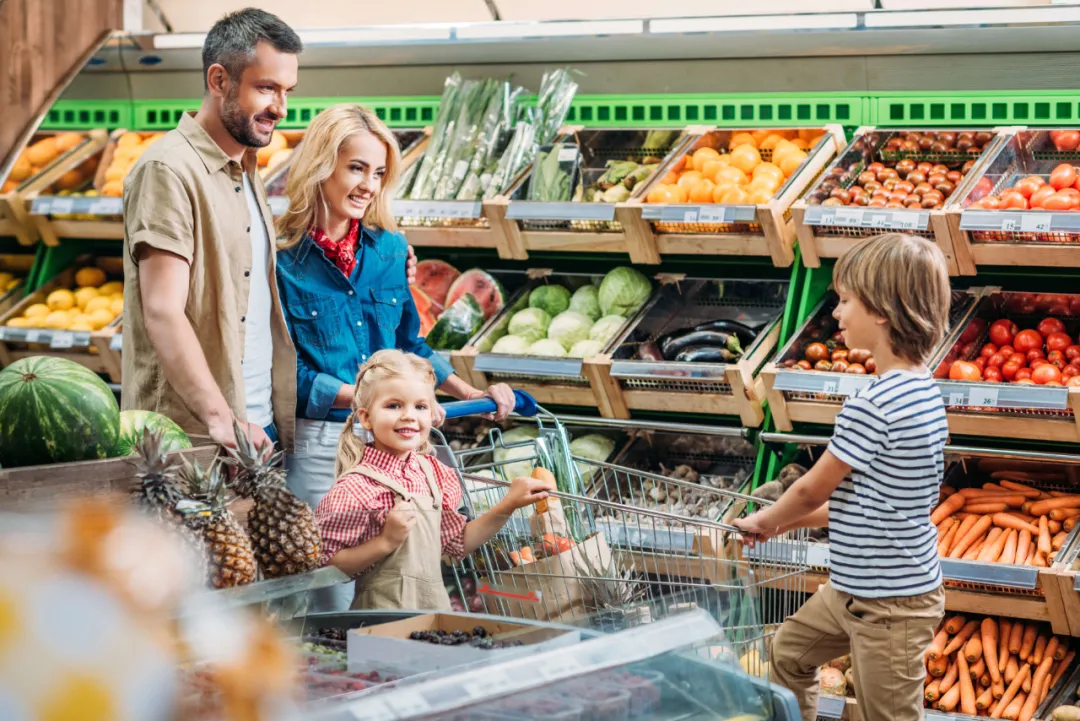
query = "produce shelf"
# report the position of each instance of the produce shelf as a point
(829, 219)
(733, 388)
(763, 229)
(1017, 237)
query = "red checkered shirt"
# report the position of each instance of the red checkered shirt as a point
(355, 509)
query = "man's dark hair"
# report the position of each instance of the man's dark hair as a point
(231, 42)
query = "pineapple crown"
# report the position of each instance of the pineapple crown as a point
(156, 471)
(256, 467)
(206, 484)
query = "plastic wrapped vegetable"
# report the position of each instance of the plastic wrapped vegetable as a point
(456, 325)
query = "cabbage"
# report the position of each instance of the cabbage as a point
(512, 345)
(586, 300)
(605, 329)
(520, 434)
(623, 290)
(594, 447)
(531, 324)
(569, 327)
(552, 299)
(586, 348)
(548, 347)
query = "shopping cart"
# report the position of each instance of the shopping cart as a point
(592, 560)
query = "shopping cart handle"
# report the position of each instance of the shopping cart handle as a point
(525, 405)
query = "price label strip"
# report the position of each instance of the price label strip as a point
(712, 214)
(62, 206)
(485, 684)
(117, 342)
(1035, 222)
(62, 339)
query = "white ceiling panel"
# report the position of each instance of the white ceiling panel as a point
(603, 9)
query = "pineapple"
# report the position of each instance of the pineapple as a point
(282, 528)
(232, 560)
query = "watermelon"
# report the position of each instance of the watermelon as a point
(427, 322)
(133, 423)
(487, 291)
(53, 410)
(434, 278)
(456, 325)
(420, 299)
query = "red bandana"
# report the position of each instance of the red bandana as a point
(341, 253)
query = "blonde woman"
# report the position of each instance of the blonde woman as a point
(341, 273)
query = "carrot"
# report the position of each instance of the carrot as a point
(1045, 688)
(1069, 523)
(978, 668)
(1012, 667)
(1020, 488)
(965, 525)
(973, 552)
(953, 626)
(1063, 666)
(1013, 711)
(983, 492)
(993, 487)
(932, 692)
(998, 689)
(1041, 507)
(945, 525)
(1023, 517)
(1062, 649)
(1040, 560)
(1044, 536)
(947, 491)
(1012, 500)
(980, 527)
(1064, 514)
(1054, 526)
(1008, 553)
(1027, 685)
(989, 630)
(1016, 637)
(962, 516)
(985, 682)
(949, 506)
(946, 538)
(1005, 628)
(995, 544)
(1031, 634)
(1023, 544)
(938, 666)
(1011, 691)
(1059, 540)
(1031, 556)
(973, 649)
(1037, 682)
(967, 691)
(937, 646)
(1051, 649)
(1007, 520)
(949, 701)
(961, 638)
(989, 507)
(985, 699)
(949, 679)
(1040, 649)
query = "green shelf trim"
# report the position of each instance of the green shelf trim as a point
(414, 112)
(88, 114)
(1016, 107)
(722, 110)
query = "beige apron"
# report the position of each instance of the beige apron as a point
(410, 577)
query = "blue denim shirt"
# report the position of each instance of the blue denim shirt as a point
(337, 322)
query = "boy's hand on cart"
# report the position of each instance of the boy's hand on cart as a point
(526, 491)
(410, 266)
(753, 530)
(399, 522)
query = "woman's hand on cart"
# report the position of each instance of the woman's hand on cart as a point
(504, 398)
(753, 530)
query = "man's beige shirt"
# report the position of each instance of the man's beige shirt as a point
(185, 196)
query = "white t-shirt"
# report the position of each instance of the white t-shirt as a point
(258, 345)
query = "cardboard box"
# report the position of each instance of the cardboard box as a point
(389, 643)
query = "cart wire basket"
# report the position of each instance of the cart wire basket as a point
(606, 561)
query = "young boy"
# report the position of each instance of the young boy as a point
(874, 488)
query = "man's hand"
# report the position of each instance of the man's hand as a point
(410, 267)
(398, 523)
(222, 433)
(754, 531)
(503, 395)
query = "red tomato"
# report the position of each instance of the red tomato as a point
(1018, 358)
(988, 350)
(1006, 350)
(1039, 196)
(1056, 356)
(1070, 371)
(1034, 355)
(1065, 140)
(1013, 201)
(1038, 362)
(1023, 374)
(1025, 381)
(1060, 201)
(968, 350)
(1002, 332)
(1045, 374)
(981, 362)
(1052, 383)
(1009, 370)
(1028, 340)
(964, 371)
(1050, 325)
(990, 202)
(993, 375)
(1073, 381)
(1028, 185)
(1062, 176)
(996, 361)
(1058, 341)
(1072, 352)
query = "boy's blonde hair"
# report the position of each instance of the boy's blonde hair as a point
(905, 280)
(317, 157)
(382, 366)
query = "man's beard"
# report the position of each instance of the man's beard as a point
(240, 126)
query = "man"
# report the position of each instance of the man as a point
(207, 337)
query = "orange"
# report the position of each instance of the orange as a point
(702, 192)
(741, 139)
(679, 165)
(768, 170)
(731, 175)
(704, 155)
(21, 170)
(670, 179)
(759, 196)
(802, 144)
(682, 193)
(782, 148)
(113, 189)
(720, 190)
(42, 152)
(810, 135)
(713, 166)
(663, 193)
(734, 196)
(115, 173)
(67, 141)
(760, 135)
(70, 180)
(128, 139)
(770, 141)
(690, 178)
(770, 185)
(791, 162)
(745, 158)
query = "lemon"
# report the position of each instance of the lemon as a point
(101, 318)
(81, 319)
(114, 286)
(90, 277)
(12, 284)
(37, 310)
(85, 295)
(57, 320)
(19, 322)
(5, 277)
(62, 299)
(116, 306)
(97, 303)
(84, 325)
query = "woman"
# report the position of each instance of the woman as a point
(341, 271)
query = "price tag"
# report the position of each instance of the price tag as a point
(32, 336)
(955, 399)
(849, 385)
(712, 214)
(62, 339)
(849, 216)
(62, 206)
(690, 216)
(831, 387)
(116, 342)
(905, 221)
(565, 668)
(568, 154)
(106, 206)
(984, 397)
(485, 684)
(1035, 222)
(879, 220)
(407, 706)
(373, 710)
(1008, 224)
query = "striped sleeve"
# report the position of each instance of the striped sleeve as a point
(862, 431)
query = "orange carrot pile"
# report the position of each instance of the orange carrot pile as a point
(1004, 522)
(997, 668)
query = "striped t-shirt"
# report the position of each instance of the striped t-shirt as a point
(881, 542)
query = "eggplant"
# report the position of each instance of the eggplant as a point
(706, 354)
(674, 345)
(745, 333)
(649, 352)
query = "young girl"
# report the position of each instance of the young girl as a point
(392, 514)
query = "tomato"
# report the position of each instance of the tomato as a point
(819, 351)
(1002, 332)
(1073, 381)
(1050, 325)
(996, 361)
(1056, 356)
(1072, 352)
(1023, 374)
(1046, 302)
(981, 362)
(1060, 201)
(993, 375)
(1065, 140)
(973, 331)
(988, 350)
(1009, 370)
(1025, 381)
(871, 365)
(1039, 196)
(1038, 362)
(840, 366)
(859, 356)
(1013, 201)
(1045, 374)
(1058, 342)
(964, 371)
(990, 202)
(1070, 371)
(839, 354)
(1027, 186)
(1028, 340)
(1063, 176)
(1006, 350)
(981, 189)
(856, 369)
(1052, 383)
(1034, 355)
(1018, 358)
(804, 365)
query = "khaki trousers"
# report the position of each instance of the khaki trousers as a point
(886, 637)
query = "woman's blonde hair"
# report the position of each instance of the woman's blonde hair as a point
(384, 365)
(905, 280)
(317, 157)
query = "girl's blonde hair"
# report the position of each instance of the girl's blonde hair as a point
(317, 157)
(384, 365)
